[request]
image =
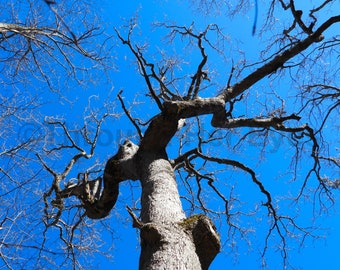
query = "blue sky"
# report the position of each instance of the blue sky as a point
(273, 168)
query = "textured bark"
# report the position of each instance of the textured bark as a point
(165, 245)
(168, 240)
(207, 241)
(160, 198)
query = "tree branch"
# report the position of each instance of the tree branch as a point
(275, 122)
(129, 115)
(118, 168)
(278, 61)
(142, 64)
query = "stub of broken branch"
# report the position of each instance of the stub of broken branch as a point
(136, 222)
(205, 236)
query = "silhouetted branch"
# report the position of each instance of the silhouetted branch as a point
(142, 63)
(133, 121)
(278, 61)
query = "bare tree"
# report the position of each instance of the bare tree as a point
(169, 238)
(177, 230)
(43, 53)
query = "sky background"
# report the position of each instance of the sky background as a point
(315, 254)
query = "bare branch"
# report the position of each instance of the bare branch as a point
(278, 61)
(143, 64)
(36, 35)
(133, 121)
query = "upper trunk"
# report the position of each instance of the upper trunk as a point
(160, 198)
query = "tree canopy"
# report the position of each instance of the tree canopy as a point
(243, 95)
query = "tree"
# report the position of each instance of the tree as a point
(301, 51)
(42, 54)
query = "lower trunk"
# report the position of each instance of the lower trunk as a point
(167, 240)
(167, 246)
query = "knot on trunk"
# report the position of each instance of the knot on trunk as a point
(205, 236)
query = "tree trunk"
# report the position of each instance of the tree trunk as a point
(168, 239)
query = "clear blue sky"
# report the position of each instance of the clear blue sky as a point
(314, 254)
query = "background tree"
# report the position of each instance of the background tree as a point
(46, 50)
(211, 114)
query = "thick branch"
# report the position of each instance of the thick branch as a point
(274, 122)
(216, 106)
(195, 107)
(118, 168)
(278, 61)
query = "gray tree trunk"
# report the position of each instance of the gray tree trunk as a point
(169, 240)
(165, 243)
